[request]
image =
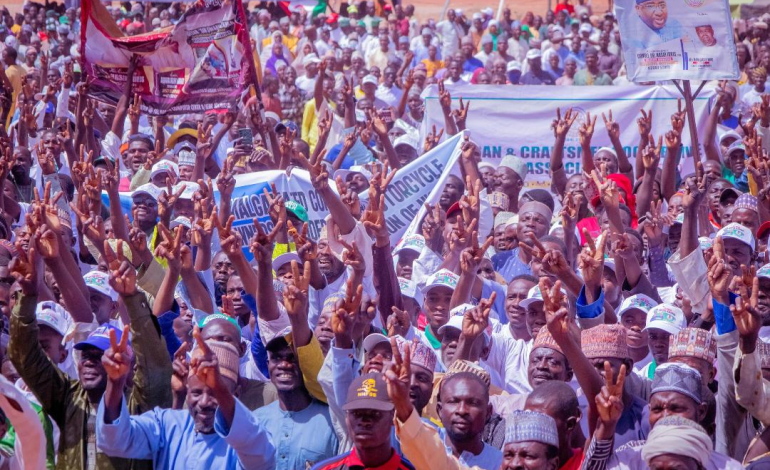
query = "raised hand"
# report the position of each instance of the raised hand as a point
(170, 248)
(678, 118)
(204, 363)
(608, 190)
(561, 126)
(651, 154)
(444, 98)
(154, 156)
(613, 128)
(226, 179)
(122, 273)
(433, 223)
(476, 320)
(569, 212)
(352, 256)
(460, 237)
(654, 223)
(319, 176)
(295, 296)
(745, 313)
(609, 402)
(432, 139)
(694, 190)
(591, 259)
(398, 377)
(398, 322)
(373, 218)
(167, 199)
(117, 359)
(719, 274)
(47, 242)
(262, 244)
(644, 123)
(276, 205)
(181, 369)
(471, 257)
(586, 130)
(553, 298)
(203, 227)
(26, 267)
(461, 115)
(307, 249)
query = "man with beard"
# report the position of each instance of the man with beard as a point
(509, 180)
(222, 269)
(453, 189)
(463, 407)
(300, 426)
(20, 174)
(216, 431)
(534, 221)
(369, 420)
(71, 403)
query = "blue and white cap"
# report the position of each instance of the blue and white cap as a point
(531, 426)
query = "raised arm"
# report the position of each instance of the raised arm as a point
(262, 247)
(560, 128)
(586, 132)
(121, 110)
(613, 132)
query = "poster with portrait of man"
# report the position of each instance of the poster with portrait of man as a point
(677, 39)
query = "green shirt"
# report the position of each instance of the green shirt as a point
(584, 77)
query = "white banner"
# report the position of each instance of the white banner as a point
(417, 183)
(677, 40)
(517, 120)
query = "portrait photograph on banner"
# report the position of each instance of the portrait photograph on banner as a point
(677, 39)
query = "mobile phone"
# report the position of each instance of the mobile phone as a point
(246, 136)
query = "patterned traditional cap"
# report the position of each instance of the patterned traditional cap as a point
(421, 354)
(747, 201)
(737, 232)
(517, 164)
(227, 358)
(638, 302)
(680, 378)
(604, 341)
(545, 340)
(503, 217)
(693, 342)
(442, 278)
(763, 349)
(531, 426)
(667, 318)
(461, 365)
(499, 200)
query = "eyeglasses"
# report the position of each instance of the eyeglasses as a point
(149, 203)
(652, 7)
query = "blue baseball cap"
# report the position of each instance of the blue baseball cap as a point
(286, 124)
(100, 338)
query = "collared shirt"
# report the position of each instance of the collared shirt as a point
(169, 439)
(490, 458)
(301, 438)
(350, 460)
(509, 265)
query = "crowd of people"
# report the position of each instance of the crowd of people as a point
(619, 320)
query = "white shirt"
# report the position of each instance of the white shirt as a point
(509, 357)
(306, 84)
(391, 95)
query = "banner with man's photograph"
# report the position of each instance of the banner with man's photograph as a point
(201, 63)
(677, 40)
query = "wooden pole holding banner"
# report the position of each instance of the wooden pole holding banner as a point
(443, 10)
(688, 99)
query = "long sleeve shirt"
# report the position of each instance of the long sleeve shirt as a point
(65, 400)
(169, 439)
(423, 447)
(301, 438)
(751, 389)
(690, 272)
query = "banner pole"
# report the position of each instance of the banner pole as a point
(443, 11)
(688, 98)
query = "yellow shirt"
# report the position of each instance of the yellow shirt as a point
(433, 66)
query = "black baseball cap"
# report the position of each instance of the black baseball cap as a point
(368, 392)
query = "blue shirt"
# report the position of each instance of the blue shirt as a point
(301, 438)
(490, 457)
(471, 64)
(168, 438)
(509, 265)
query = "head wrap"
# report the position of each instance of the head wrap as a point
(227, 358)
(678, 436)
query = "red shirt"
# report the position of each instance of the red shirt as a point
(574, 462)
(350, 461)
